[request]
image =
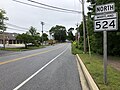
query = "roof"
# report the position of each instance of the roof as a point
(10, 36)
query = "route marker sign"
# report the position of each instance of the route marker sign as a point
(105, 20)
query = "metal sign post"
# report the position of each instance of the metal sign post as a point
(105, 20)
(105, 55)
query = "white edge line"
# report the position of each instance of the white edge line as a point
(28, 79)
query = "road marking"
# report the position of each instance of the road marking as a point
(17, 59)
(33, 75)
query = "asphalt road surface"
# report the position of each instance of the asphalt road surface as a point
(50, 68)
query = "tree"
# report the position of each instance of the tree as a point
(32, 36)
(45, 37)
(26, 38)
(35, 35)
(80, 30)
(33, 31)
(2, 24)
(2, 18)
(59, 33)
(70, 34)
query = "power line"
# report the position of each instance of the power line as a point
(15, 29)
(36, 6)
(13, 25)
(54, 6)
(45, 7)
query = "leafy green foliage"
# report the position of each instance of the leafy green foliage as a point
(76, 48)
(45, 37)
(59, 33)
(70, 34)
(30, 37)
(33, 31)
(2, 19)
(26, 38)
(35, 35)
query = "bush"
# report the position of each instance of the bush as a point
(76, 49)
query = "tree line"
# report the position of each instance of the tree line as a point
(60, 33)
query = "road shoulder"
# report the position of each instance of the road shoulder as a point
(86, 79)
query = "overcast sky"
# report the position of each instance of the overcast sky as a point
(26, 16)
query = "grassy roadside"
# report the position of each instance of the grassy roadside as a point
(75, 50)
(94, 65)
(22, 49)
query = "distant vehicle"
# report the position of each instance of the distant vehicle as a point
(51, 42)
(29, 44)
(68, 41)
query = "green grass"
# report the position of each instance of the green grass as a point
(22, 49)
(94, 65)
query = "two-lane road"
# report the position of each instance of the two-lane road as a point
(50, 68)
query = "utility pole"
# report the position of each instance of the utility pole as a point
(77, 33)
(42, 23)
(84, 26)
(88, 39)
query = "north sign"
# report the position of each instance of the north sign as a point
(105, 8)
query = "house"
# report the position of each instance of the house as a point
(10, 38)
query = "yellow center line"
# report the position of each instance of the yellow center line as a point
(17, 59)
